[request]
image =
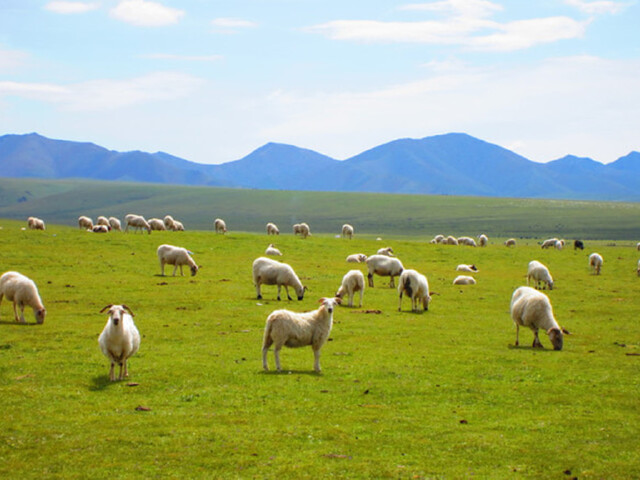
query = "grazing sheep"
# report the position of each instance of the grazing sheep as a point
(467, 241)
(220, 226)
(416, 287)
(102, 220)
(451, 240)
(357, 258)
(385, 267)
(388, 251)
(511, 242)
(530, 308)
(176, 256)
(284, 327)
(115, 224)
(22, 291)
(35, 223)
(559, 245)
(578, 244)
(296, 228)
(438, 239)
(119, 339)
(271, 272)
(595, 262)
(272, 250)
(177, 226)
(156, 224)
(467, 268)
(483, 240)
(168, 222)
(85, 222)
(464, 280)
(272, 229)
(549, 243)
(352, 282)
(100, 229)
(347, 231)
(304, 230)
(540, 273)
(138, 222)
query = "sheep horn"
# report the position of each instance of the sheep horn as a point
(105, 308)
(128, 310)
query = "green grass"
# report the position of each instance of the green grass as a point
(443, 394)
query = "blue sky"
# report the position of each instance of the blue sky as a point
(212, 80)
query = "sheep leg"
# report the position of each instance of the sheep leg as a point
(517, 334)
(276, 353)
(181, 274)
(361, 294)
(121, 376)
(258, 291)
(161, 268)
(316, 360)
(400, 302)
(351, 295)
(112, 376)
(392, 284)
(286, 289)
(126, 369)
(536, 340)
(19, 319)
(370, 277)
(265, 350)
(279, 292)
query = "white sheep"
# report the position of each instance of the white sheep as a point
(304, 230)
(357, 258)
(177, 226)
(296, 228)
(450, 240)
(168, 222)
(284, 327)
(156, 224)
(136, 221)
(272, 250)
(438, 239)
(549, 243)
(387, 251)
(416, 286)
(115, 224)
(100, 229)
(220, 226)
(385, 267)
(467, 241)
(35, 223)
(85, 222)
(467, 268)
(22, 291)
(464, 280)
(531, 308)
(271, 272)
(102, 220)
(119, 339)
(347, 231)
(559, 245)
(595, 262)
(483, 240)
(176, 256)
(352, 282)
(540, 273)
(272, 229)
(511, 242)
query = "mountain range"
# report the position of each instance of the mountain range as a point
(450, 164)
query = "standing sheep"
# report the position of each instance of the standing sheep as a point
(416, 286)
(102, 220)
(450, 240)
(304, 230)
(483, 240)
(35, 223)
(540, 273)
(168, 222)
(511, 242)
(22, 291)
(352, 282)
(220, 226)
(467, 241)
(138, 222)
(438, 239)
(177, 226)
(578, 244)
(85, 222)
(156, 224)
(347, 231)
(284, 327)
(595, 262)
(271, 272)
(119, 339)
(272, 229)
(115, 224)
(176, 256)
(530, 308)
(549, 243)
(385, 267)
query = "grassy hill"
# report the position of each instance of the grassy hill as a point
(62, 201)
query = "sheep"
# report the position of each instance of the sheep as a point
(168, 222)
(177, 226)
(549, 243)
(220, 226)
(451, 240)
(115, 224)
(540, 273)
(100, 229)
(85, 222)
(388, 251)
(272, 229)
(464, 280)
(176, 256)
(347, 231)
(385, 267)
(438, 239)
(304, 230)
(357, 258)
(102, 220)
(595, 262)
(271, 272)
(416, 286)
(156, 224)
(578, 244)
(35, 223)
(119, 339)
(483, 240)
(511, 242)
(272, 250)
(138, 222)
(531, 308)
(467, 268)
(296, 228)
(284, 327)
(352, 282)
(22, 291)
(559, 245)
(467, 241)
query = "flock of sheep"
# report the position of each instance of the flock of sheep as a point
(120, 338)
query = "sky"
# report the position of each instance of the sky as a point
(212, 80)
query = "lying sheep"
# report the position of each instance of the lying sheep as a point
(272, 250)
(357, 258)
(385, 267)
(347, 231)
(220, 226)
(168, 222)
(388, 251)
(284, 327)
(416, 286)
(100, 229)
(85, 222)
(464, 280)
(138, 222)
(176, 256)
(271, 272)
(352, 282)
(272, 229)
(22, 291)
(35, 223)
(511, 242)
(467, 268)
(549, 243)
(530, 308)
(483, 240)
(119, 339)
(540, 273)
(595, 262)
(156, 224)
(115, 224)
(467, 241)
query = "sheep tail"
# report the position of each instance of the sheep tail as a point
(407, 286)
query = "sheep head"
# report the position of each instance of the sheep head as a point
(40, 315)
(116, 312)
(330, 303)
(556, 337)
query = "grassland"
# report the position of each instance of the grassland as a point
(62, 201)
(443, 394)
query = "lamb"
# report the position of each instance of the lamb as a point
(385, 267)
(176, 256)
(357, 258)
(115, 224)
(138, 222)
(540, 273)
(451, 240)
(119, 339)
(85, 222)
(35, 223)
(467, 241)
(530, 308)
(22, 291)
(578, 244)
(595, 262)
(352, 282)
(388, 251)
(549, 243)
(271, 272)
(416, 287)
(100, 229)
(168, 222)
(284, 327)
(511, 242)
(272, 229)
(464, 280)
(483, 240)
(156, 224)
(272, 250)
(220, 226)
(347, 231)
(467, 268)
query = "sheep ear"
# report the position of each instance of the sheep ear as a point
(322, 300)
(338, 300)
(106, 308)
(128, 310)
(565, 331)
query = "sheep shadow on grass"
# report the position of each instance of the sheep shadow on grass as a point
(101, 382)
(290, 372)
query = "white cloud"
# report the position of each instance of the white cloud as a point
(144, 13)
(597, 7)
(466, 8)
(71, 7)
(188, 58)
(11, 59)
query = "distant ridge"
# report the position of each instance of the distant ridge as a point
(450, 164)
